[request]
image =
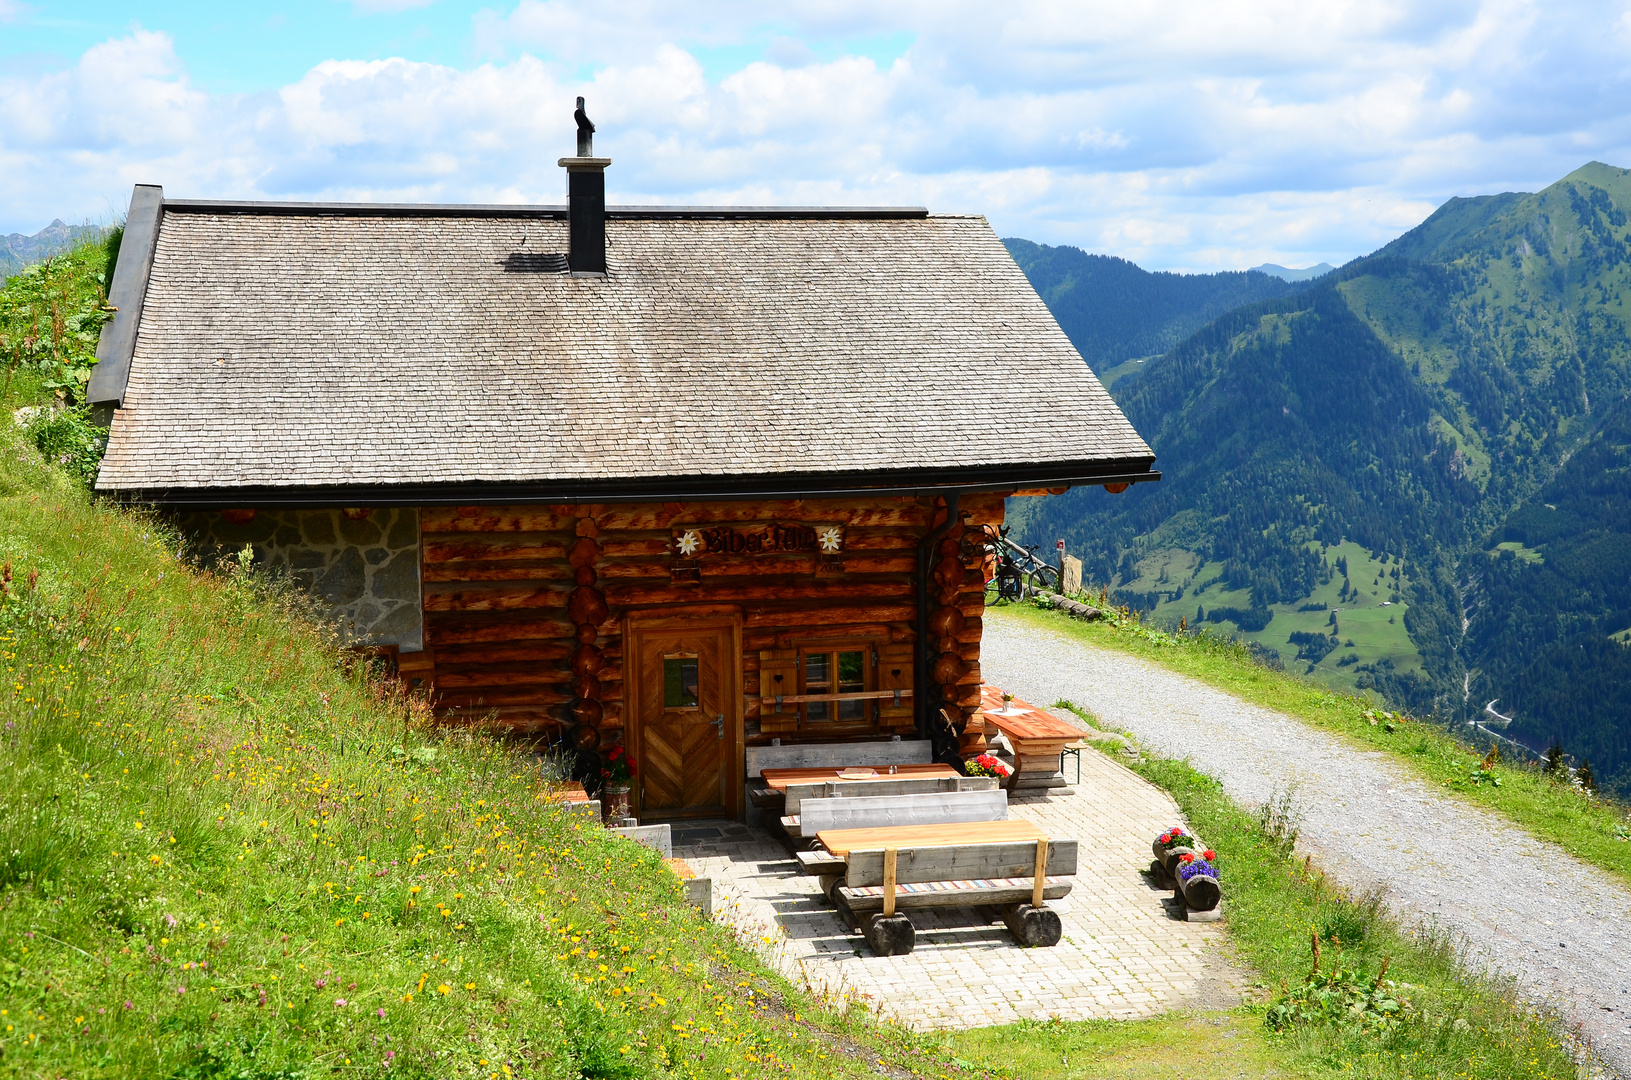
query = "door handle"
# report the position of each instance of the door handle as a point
(719, 726)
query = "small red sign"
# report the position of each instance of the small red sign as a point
(1060, 544)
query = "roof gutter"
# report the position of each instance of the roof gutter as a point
(127, 295)
(910, 483)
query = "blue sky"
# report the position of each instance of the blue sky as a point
(1183, 134)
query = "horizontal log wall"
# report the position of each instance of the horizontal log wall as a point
(498, 583)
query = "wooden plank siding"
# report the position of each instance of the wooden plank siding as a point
(497, 584)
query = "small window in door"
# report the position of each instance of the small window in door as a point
(679, 682)
(839, 671)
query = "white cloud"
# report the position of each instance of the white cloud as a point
(1195, 134)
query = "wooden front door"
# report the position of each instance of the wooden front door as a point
(686, 728)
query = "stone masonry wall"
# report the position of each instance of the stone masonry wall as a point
(364, 564)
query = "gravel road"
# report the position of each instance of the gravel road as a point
(1530, 909)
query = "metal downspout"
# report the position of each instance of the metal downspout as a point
(920, 655)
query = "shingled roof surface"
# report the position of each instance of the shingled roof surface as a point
(307, 350)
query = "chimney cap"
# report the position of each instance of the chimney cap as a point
(586, 132)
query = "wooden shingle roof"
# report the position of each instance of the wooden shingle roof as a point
(432, 355)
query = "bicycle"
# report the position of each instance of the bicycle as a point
(1018, 573)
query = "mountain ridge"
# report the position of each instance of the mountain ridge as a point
(18, 250)
(1343, 462)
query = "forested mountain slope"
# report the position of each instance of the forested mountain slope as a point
(1118, 314)
(1337, 459)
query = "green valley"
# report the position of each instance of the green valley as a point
(1406, 414)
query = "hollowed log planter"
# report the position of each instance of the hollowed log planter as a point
(1200, 892)
(1169, 859)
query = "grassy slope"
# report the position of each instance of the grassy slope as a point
(229, 856)
(1378, 633)
(1591, 829)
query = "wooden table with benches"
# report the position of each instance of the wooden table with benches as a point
(1039, 739)
(778, 779)
(823, 761)
(1010, 864)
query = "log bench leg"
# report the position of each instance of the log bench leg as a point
(843, 911)
(1033, 927)
(890, 935)
(829, 882)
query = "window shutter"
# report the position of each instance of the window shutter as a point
(778, 675)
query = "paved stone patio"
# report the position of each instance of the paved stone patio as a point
(1124, 954)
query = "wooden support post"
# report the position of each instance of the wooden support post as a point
(1041, 873)
(889, 882)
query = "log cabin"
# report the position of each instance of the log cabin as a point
(682, 479)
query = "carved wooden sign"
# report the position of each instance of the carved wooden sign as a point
(699, 541)
(692, 543)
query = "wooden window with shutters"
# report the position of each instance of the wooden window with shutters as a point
(832, 689)
(838, 671)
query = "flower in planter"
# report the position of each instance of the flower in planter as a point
(619, 767)
(1175, 837)
(985, 765)
(1196, 868)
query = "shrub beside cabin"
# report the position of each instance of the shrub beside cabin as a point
(684, 479)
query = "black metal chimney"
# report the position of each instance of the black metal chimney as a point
(586, 201)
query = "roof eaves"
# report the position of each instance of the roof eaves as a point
(664, 489)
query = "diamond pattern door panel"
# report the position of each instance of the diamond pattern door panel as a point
(684, 724)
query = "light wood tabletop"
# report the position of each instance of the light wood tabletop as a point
(841, 842)
(778, 779)
(1027, 722)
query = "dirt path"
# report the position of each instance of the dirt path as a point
(1532, 910)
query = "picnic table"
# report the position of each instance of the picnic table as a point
(840, 842)
(871, 874)
(1039, 738)
(778, 779)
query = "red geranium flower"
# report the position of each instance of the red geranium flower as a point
(1210, 854)
(1186, 857)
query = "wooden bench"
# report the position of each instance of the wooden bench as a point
(830, 756)
(796, 794)
(867, 811)
(827, 756)
(1018, 878)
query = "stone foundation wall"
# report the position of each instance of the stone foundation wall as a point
(363, 564)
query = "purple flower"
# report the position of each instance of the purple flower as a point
(382, 1014)
(339, 1003)
(1197, 869)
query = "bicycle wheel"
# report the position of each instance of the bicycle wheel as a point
(993, 591)
(1043, 578)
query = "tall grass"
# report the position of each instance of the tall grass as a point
(1459, 1022)
(225, 851)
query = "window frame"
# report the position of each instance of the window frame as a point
(682, 656)
(869, 721)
